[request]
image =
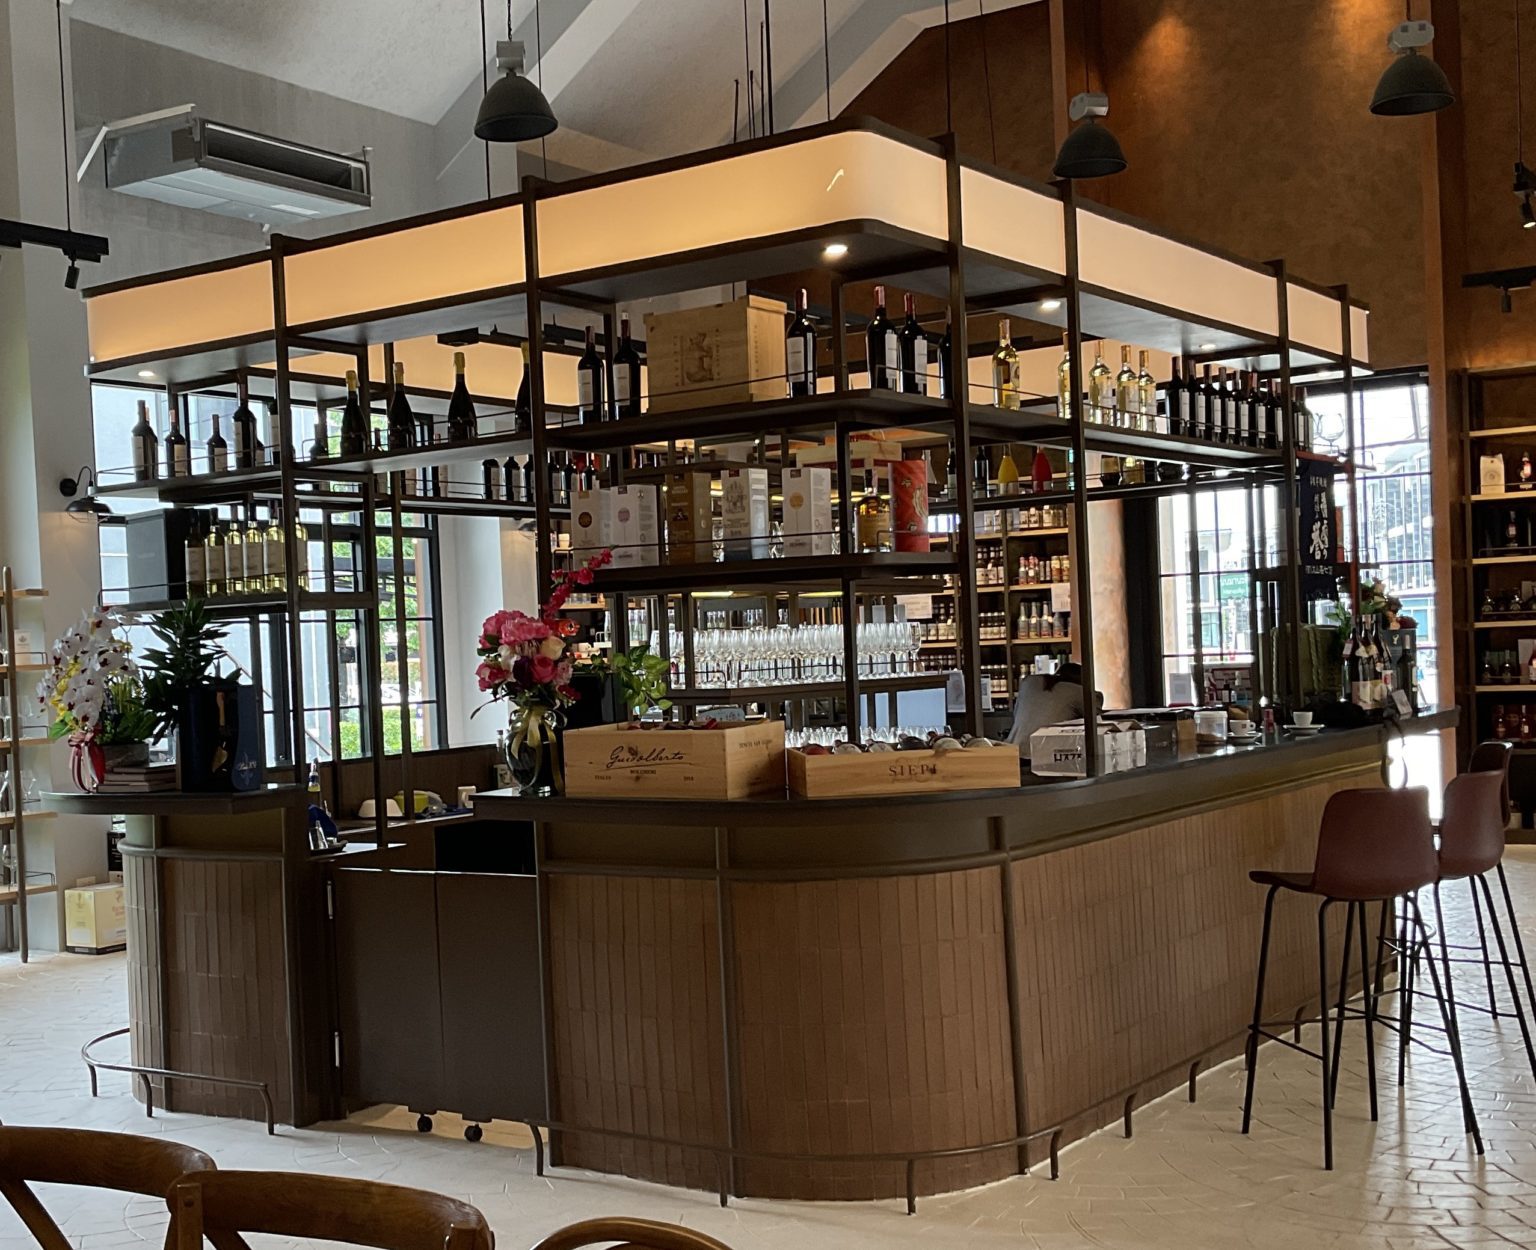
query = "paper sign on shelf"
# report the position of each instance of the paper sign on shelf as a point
(917, 607)
(1061, 596)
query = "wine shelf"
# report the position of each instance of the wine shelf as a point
(789, 572)
(262, 605)
(1491, 560)
(807, 690)
(1506, 688)
(1512, 623)
(1506, 431)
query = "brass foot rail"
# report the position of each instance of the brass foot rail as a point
(144, 1072)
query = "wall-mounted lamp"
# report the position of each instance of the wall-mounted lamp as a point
(86, 504)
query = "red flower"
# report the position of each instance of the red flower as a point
(541, 668)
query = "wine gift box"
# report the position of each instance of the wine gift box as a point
(591, 522)
(889, 774)
(909, 505)
(718, 354)
(633, 526)
(744, 513)
(807, 526)
(690, 517)
(731, 762)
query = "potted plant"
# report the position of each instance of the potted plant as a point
(524, 662)
(638, 679)
(97, 698)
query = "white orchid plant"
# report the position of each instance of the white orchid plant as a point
(92, 689)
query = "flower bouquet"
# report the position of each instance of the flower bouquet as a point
(96, 697)
(524, 660)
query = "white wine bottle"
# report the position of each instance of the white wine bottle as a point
(1005, 367)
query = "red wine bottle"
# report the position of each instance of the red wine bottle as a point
(178, 452)
(946, 345)
(589, 381)
(243, 428)
(626, 374)
(883, 351)
(146, 447)
(218, 449)
(914, 351)
(800, 349)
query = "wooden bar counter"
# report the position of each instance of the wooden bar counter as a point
(760, 996)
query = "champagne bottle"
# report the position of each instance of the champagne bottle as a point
(178, 451)
(275, 553)
(1005, 367)
(146, 447)
(1126, 395)
(882, 349)
(462, 422)
(800, 349)
(914, 350)
(218, 449)
(589, 381)
(402, 421)
(626, 374)
(243, 428)
(354, 430)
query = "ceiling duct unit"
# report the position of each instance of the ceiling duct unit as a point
(177, 157)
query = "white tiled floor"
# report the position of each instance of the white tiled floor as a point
(1188, 1179)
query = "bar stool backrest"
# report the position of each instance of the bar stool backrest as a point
(630, 1235)
(1493, 756)
(1375, 844)
(1472, 825)
(222, 1205)
(123, 1162)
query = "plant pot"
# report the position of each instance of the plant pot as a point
(122, 755)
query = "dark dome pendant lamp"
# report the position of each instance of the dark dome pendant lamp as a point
(514, 109)
(1089, 151)
(1411, 84)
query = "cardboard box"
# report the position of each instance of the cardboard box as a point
(690, 517)
(807, 527)
(732, 762)
(744, 513)
(1057, 750)
(1491, 474)
(863, 453)
(591, 522)
(634, 526)
(95, 920)
(719, 354)
(888, 773)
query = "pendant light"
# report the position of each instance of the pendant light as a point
(514, 109)
(1089, 151)
(1411, 84)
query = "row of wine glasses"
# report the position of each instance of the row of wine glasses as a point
(831, 735)
(782, 654)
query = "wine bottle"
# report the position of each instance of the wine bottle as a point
(587, 479)
(800, 349)
(242, 426)
(320, 449)
(178, 451)
(626, 373)
(522, 406)
(529, 485)
(234, 558)
(1005, 367)
(883, 351)
(1064, 380)
(1204, 403)
(193, 555)
(255, 548)
(490, 477)
(914, 350)
(354, 430)
(462, 422)
(509, 478)
(873, 517)
(218, 449)
(275, 553)
(567, 478)
(1040, 474)
(952, 474)
(1146, 397)
(589, 381)
(1007, 474)
(215, 585)
(1176, 401)
(402, 421)
(300, 570)
(1100, 392)
(946, 346)
(982, 473)
(1126, 404)
(1253, 422)
(1303, 414)
(259, 456)
(146, 447)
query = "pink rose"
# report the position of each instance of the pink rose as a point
(542, 669)
(489, 676)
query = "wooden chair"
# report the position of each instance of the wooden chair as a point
(627, 1234)
(123, 1162)
(222, 1205)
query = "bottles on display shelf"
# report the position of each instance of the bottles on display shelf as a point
(1101, 395)
(522, 406)
(800, 349)
(1201, 422)
(242, 428)
(1007, 474)
(626, 374)
(1127, 398)
(490, 478)
(320, 449)
(1036, 620)
(401, 421)
(589, 381)
(1146, 396)
(914, 350)
(234, 558)
(1040, 473)
(255, 547)
(215, 580)
(981, 469)
(275, 553)
(178, 450)
(1064, 380)
(883, 348)
(218, 449)
(463, 425)
(354, 429)
(1301, 414)
(1176, 401)
(872, 517)
(1005, 367)
(146, 447)
(529, 485)
(194, 554)
(946, 346)
(951, 473)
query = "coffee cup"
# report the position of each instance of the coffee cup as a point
(1302, 720)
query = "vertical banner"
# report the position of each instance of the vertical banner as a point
(1319, 530)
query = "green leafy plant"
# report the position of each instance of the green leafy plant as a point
(190, 645)
(640, 677)
(125, 717)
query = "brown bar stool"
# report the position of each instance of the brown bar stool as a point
(634, 1234)
(1373, 846)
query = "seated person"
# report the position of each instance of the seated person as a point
(1048, 699)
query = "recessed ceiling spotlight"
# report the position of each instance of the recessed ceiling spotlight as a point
(1207, 347)
(835, 251)
(146, 373)
(1049, 305)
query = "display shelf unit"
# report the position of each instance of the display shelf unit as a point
(15, 816)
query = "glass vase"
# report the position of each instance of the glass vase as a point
(533, 750)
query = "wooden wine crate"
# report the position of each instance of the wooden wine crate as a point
(718, 354)
(732, 762)
(891, 773)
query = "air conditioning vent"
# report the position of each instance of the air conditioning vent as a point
(179, 158)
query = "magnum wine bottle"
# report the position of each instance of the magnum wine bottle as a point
(462, 423)
(218, 449)
(146, 447)
(883, 351)
(914, 351)
(243, 429)
(589, 381)
(800, 349)
(402, 421)
(354, 430)
(178, 451)
(626, 374)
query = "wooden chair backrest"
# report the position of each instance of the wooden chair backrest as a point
(628, 1234)
(222, 1205)
(71, 1156)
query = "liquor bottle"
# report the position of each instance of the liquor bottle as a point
(242, 427)
(1100, 391)
(1274, 414)
(193, 556)
(1512, 530)
(1064, 380)
(463, 425)
(218, 449)
(178, 451)
(1303, 417)
(946, 346)
(873, 517)
(1146, 397)
(490, 477)
(234, 558)
(275, 553)
(1253, 418)
(626, 374)
(1040, 472)
(214, 583)
(1007, 474)
(255, 549)
(914, 350)
(952, 474)
(882, 348)
(354, 430)
(529, 486)
(1005, 367)
(300, 569)
(1126, 396)
(981, 470)
(589, 381)
(402, 421)
(799, 350)
(320, 449)
(1200, 427)
(522, 406)
(146, 447)
(1221, 407)
(1177, 402)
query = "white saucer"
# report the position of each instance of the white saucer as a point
(1244, 739)
(1304, 730)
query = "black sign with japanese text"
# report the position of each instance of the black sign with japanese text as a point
(1319, 539)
